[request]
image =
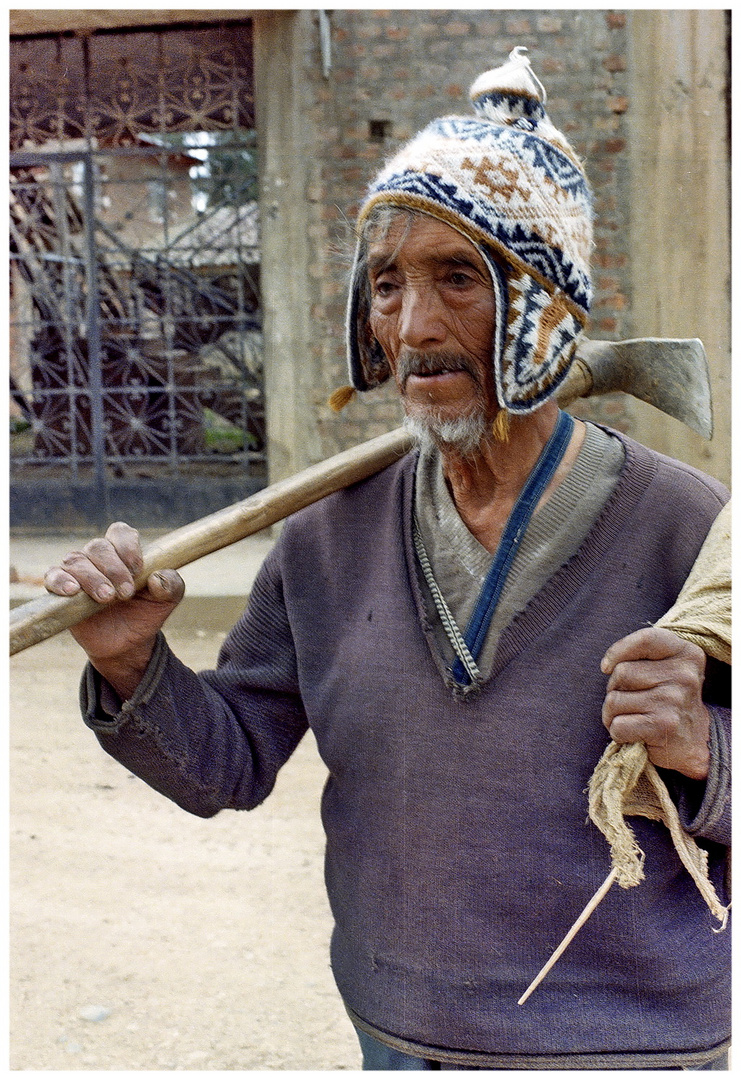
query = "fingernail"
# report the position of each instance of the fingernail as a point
(105, 592)
(126, 590)
(70, 587)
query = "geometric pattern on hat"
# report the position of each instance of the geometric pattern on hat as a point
(535, 340)
(504, 187)
(540, 341)
(509, 181)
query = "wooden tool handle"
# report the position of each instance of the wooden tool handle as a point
(49, 615)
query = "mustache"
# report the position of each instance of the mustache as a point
(415, 362)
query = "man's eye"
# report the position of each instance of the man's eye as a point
(459, 277)
(384, 288)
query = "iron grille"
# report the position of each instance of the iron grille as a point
(135, 296)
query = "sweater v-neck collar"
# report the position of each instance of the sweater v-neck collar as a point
(546, 605)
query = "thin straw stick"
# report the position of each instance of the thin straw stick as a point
(593, 903)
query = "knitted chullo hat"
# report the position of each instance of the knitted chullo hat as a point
(509, 182)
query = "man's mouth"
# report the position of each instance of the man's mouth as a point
(439, 382)
(430, 367)
(431, 382)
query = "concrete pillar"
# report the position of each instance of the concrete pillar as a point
(680, 208)
(284, 147)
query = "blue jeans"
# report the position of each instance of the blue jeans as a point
(379, 1057)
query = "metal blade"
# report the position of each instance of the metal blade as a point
(669, 373)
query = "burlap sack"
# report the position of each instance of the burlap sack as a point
(702, 612)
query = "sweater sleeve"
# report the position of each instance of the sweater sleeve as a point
(706, 813)
(711, 819)
(217, 739)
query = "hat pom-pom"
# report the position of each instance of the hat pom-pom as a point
(511, 94)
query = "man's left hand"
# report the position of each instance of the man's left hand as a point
(654, 696)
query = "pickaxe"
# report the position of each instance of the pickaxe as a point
(671, 374)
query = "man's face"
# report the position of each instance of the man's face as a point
(433, 313)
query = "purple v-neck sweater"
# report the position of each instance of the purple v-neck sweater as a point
(458, 847)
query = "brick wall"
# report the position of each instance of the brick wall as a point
(394, 71)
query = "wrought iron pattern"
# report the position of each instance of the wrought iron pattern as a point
(135, 310)
(115, 86)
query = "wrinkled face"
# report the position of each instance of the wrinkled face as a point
(433, 313)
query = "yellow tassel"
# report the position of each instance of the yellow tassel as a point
(500, 427)
(340, 397)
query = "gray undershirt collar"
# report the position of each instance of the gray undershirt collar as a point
(460, 563)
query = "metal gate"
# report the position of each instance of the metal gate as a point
(135, 350)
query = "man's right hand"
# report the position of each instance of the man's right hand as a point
(119, 638)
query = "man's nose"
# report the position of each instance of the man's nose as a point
(422, 323)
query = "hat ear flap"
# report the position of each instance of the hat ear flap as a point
(501, 317)
(367, 363)
(541, 336)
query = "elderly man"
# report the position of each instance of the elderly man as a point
(464, 632)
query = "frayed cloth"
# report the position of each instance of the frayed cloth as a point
(625, 783)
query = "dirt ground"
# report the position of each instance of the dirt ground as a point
(144, 938)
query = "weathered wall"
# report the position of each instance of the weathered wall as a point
(58, 20)
(680, 208)
(289, 250)
(641, 94)
(632, 90)
(402, 68)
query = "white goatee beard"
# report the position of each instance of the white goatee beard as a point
(464, 434)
